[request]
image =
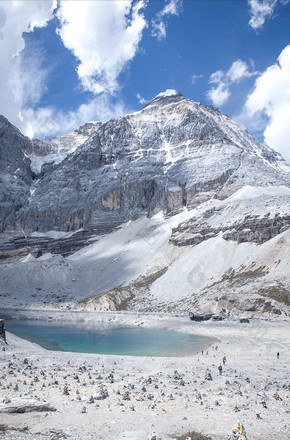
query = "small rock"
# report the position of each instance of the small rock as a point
(263, 403)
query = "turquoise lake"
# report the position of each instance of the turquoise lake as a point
(107, 338)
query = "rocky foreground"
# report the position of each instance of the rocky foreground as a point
(57, 395)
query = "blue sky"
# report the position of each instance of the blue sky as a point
(68, 62)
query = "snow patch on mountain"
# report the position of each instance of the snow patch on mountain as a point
(167, 93)
(55, 150)
(250, 192)
(203, 278)
(219, 239)
(60, 147)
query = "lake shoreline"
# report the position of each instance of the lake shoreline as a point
(108, 338)
(128, 397)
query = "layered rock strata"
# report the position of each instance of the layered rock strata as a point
(172, 154)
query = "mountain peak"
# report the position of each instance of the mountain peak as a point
(167, 94)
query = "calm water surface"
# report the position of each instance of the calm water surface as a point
(107, 338)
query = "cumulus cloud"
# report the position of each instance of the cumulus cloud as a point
(220, 93)
(238, 71)
(261, 10)
(272, 96)
(15, 18)
(103, 36)
(159, 23)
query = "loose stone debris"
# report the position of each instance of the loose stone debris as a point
(54, 395)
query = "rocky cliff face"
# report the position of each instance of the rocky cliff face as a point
(257, 224)
(15, 174)
(171, 154)
(209, 209)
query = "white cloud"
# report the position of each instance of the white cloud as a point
(195, 78)
(49, 122)
(29, 78)
(221, 92)
(261, 10)
(172, 7)
(103, 36)
(15, 18)
(272, 96)
(141, 100)
(239, 70)
(216, 77)
(158, 29)
(219, 95)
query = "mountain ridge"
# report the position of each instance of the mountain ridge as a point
(162, 209)
(178, 151)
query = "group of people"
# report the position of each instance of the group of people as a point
(224, 359)
(220, 368)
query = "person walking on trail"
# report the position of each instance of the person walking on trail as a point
(224, 360)
(278, 354)
(220, 368)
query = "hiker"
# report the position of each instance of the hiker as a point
(224, 360)
(278, 354)
(220, 368)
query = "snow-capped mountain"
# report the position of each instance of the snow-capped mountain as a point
(171, 154)
(184, 185)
